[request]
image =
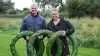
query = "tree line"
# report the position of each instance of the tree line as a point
(68, 8)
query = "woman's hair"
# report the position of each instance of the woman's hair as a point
(55, 9)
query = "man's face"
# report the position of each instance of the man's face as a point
(55, 15)
(33, 10)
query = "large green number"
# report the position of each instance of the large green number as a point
(36, 45)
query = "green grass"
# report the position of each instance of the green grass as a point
(88, 52)
(6, 37)
(5, 22)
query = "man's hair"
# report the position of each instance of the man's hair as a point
(33, 5)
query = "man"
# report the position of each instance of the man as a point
(58, 24)
(32, 22)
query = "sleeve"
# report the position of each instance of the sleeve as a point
(23, 25)
(48, 26)
(44, 24)
(70, 29)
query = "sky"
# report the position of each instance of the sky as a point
(20, 4)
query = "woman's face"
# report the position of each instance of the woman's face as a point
(55, 15)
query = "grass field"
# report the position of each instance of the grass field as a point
(6, 36)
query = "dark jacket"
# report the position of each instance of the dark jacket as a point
(62, 25)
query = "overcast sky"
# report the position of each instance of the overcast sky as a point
(20, 4)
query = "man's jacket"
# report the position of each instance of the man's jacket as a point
(33, 23)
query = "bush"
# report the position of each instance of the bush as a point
(88, 33)
(11, 11)
(79, 8)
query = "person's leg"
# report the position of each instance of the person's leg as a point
(36, 46)
(64, 52)
(65, 49)
(54, 49)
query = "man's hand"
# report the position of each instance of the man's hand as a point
(63, 33)
(27, 38)
(68, 55)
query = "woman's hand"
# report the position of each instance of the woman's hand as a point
(63, 33)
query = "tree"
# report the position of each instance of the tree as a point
(53, 3)
(50, 3)
(5, 5)
(80, 8)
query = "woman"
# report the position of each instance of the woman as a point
(64, 27)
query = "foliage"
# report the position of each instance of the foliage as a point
(5, 5)
(6, 36)
(86, 30)
(45, 13)
(79, 8)
(25, 12)
(88, 33)
(75, 8)
(53, 3)
(11, 11)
